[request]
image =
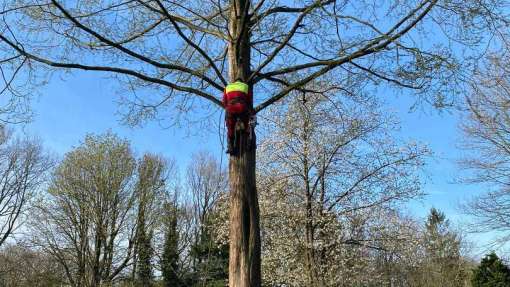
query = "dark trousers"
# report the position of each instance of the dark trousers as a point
(230, 121)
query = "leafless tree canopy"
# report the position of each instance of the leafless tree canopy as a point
(84, 221)
(486, 130)
(23, 266)
(23, 167)
(175, 53)
(207, 182)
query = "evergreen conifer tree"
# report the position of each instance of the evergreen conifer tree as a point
(444, 265)
(491, 272)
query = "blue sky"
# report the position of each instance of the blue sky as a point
(440, 132)
(85, 103)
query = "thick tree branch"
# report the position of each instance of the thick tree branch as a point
(373, 46)
(288, 36)
(132, 53)
(187, 22)
(369, 48)
(114, 70)
(191, 43)
(286, 9)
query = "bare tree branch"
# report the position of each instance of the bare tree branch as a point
(373, 46)
(134, 54)
(114, 70)
(191, 43)
(188, 23)
(288, 36)
(285, 9)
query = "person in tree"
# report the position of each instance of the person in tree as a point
(238, 103)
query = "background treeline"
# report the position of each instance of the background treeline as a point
(333, 183)
(107, 217)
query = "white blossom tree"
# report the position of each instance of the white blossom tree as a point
(328, 167)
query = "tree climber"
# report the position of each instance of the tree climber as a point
(238, 103)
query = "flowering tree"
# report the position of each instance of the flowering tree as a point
(330, 170)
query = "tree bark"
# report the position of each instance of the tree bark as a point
(244, 261)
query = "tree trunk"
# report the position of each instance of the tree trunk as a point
(244, 261)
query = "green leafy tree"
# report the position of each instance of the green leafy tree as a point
(83, 220)
(491, 272)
